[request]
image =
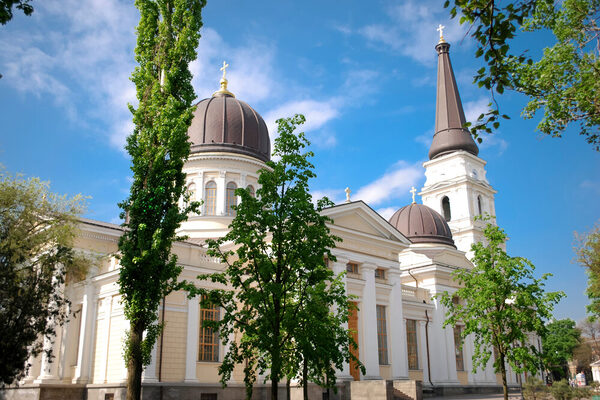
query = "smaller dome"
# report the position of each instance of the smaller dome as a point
(421, 224)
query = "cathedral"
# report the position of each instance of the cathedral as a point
(394, 268)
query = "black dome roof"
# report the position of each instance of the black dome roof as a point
(421, 224)
(224, 123)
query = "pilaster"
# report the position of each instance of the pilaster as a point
(397, 324)
(191, 355)
(423, 361)
(221, 192)
(338, 268)
(369, 324)
(86, 337)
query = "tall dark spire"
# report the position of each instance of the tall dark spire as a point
(449, 134)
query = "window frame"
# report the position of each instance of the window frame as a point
(205, 314)
(382, 339)
(352, 268)
(230, 197)
(412, 345)
(210, 198)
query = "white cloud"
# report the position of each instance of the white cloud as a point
(387, 212)
(317, 114)
(411, 30)
(392, 185)
(89, 49)
(473, 109)
(335, 195)
(591, 185)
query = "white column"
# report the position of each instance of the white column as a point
(369, 317)
(149, 373)
(86, 336)
(221, 192)
(30, 377)
(422, 343)
(49, 368)
(397, 329)
(63, 350)
(103, 342)
(339, 267)
(191, 355)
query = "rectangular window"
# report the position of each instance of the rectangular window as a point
(379, 273)
(411, 342)
(352, 268)
(208, 348)
(382, 336)
(460, 364)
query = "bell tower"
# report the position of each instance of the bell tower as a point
(456, 185)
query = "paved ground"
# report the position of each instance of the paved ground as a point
(511, 396)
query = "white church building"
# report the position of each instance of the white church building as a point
(394, 268)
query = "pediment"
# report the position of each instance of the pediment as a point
(357, 216)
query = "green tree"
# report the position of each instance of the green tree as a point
(559, 343)
(168, 34)
(37, 229)
(274, 257)
(501, 305)
(564, 81)
(587, 251)
(6, 9)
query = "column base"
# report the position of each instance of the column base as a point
(47, 379)
(370, 378)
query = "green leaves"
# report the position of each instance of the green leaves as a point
(37, 230)
(282, 292)
(168, 34)
(564, 82)
(587, 250)
(501, 305)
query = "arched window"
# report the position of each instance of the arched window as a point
(446, 208)
(251, 191)
(192, 191)
(479, 208)
(210, 198)
(231, 198)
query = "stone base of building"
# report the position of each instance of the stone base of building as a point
(455, 390)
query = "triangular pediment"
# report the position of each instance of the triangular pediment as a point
(358, 217)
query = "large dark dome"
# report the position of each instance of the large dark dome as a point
(223, 123)
(421, 224)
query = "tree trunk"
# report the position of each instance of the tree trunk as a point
(305, 378)
(503, 373)
(134, 366)
(288, 389)
(275, 372)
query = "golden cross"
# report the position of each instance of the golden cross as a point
(440, 29)
(413, 191)
(224, 68)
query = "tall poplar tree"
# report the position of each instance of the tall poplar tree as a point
(168, 34)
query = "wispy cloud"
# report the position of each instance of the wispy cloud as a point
(387, 212)
(90, 48)
(411, 28)
(392, 185)
(590, 185)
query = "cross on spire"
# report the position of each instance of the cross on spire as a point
(413, 191)
(440, 29)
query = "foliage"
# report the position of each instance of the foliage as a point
(534, 389)
(587, 250)
(168, 34)
(6, 7)
(564, 81)
(501, 305)
(561, 390)
(282, 290)
(37, 229)
(559, 343)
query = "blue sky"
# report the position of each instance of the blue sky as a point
(364, 75)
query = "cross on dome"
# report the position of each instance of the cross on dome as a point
(224, 68)
(413, 191)
(223, 90)
(440, 29)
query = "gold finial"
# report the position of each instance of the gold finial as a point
(223, 82)
(413, 191)
(440, 29)
(348, 191)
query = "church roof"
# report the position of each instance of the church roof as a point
(450, 135)
(223, 123)
(421, 224)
